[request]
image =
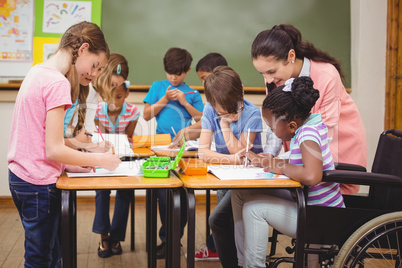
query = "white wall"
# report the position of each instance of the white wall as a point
(368, 22)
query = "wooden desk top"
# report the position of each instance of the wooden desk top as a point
(129, 182)
(209, 181)
(174, 153)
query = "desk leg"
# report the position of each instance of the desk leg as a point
(301, 220)
(151, 227)
(190, 227)
(173, 228)
(69, 228)
(208, 212)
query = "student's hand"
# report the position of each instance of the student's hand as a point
(177, 140)
(101, 147)
(83, 136)
(255, 159)
(266, 155)
(171, 93)
(181, 97)
(78, 169)
(110, 161)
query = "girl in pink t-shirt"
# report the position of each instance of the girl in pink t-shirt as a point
(37, 155)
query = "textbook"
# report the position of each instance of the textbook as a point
(126, 168)
(240, 172)
(119, 141)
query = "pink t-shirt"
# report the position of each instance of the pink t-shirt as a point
(43, 89)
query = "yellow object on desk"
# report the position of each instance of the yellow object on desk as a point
(151, 140)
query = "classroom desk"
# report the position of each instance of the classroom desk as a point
(70, 186)
(209, 181)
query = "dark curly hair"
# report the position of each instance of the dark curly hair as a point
(296, 104)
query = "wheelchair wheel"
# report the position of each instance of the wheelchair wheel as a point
(378, 243)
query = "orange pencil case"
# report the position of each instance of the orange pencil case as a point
(193, 166)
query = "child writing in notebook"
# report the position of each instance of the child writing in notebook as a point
(114, 116)
(287, 111)
(37, 155)
(227, 117)
(79, 118)
(173, 103)
(203, 68)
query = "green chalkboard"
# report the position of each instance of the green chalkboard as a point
(143, 30)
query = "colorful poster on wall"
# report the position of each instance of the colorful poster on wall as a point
(59, 15)
(16, 29)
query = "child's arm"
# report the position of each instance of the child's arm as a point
(233, 144)
(310, 173)
(57, 151)
(150, 111)
(192, 132)
(207, 155)
(179, 95)
(130, 128)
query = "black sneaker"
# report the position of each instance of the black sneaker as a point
(161, 251)
(116, 248)
(104, 252)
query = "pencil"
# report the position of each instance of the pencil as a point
(248, 143)
(190, 92)
(100, 133)
(112, 149)
(174, 132)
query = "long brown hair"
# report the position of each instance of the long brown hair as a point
(278, 41)
(72, 40)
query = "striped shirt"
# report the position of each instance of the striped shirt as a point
(325, 193)
(129, 112)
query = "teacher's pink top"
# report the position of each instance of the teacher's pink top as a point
(340, 114)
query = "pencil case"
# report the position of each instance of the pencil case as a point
(151, 140)
(193, 166)
(159, 167)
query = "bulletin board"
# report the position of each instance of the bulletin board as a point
(53, 17)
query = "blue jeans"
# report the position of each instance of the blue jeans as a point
(162, 200)
(222, 227)
(102, 224)
(39, 208)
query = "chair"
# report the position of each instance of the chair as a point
(376, 218)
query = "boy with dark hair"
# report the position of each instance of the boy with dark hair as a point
(174, 104)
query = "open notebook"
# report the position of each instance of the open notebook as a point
(119, 141)
(190, 146)
(239, 172)
(126, 168)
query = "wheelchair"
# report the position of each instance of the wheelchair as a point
(368, 232)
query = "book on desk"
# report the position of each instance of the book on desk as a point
(240, 172)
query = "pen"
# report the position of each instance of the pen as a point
(190, 92)
(112, 149)
(174, 132)
(248, 141)
(100, 133)
(88, 134)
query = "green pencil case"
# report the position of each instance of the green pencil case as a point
(159, 167)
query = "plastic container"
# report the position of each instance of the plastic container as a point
(161, 166)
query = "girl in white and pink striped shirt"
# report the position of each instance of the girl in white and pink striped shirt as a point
(287, 111)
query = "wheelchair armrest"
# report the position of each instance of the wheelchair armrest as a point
(344, 166)
(362, 178)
